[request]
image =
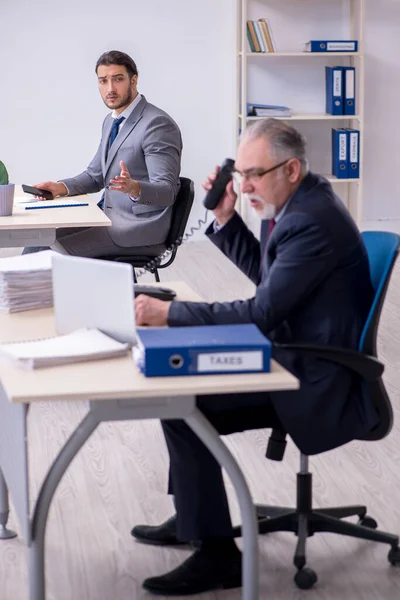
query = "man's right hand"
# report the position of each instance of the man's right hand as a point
(225, 208)
(56, 188)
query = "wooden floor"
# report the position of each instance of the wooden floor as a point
(119, 479)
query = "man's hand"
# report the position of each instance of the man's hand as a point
(56, 188)
(124, 183)
(151, 311)
(225, 208)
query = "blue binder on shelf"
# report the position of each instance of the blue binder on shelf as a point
(340, 163)
(332, 46)
(334, 90)
(354, 153)
(349, 91)
(205, 350)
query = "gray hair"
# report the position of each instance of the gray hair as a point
(285, 141)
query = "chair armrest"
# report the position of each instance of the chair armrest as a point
(368, 367)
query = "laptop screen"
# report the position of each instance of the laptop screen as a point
(94, 294)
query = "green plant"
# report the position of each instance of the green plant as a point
(3, 174)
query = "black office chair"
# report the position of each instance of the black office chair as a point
(304, 521)
(180, 215)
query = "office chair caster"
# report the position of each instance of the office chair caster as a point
(394, 556)
(305, 578)
(368, 522)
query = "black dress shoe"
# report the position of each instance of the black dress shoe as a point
(160, 535)
(201, 572)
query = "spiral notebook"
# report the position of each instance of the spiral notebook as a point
(78, 346)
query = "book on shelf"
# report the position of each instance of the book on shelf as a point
(267, 30)
(331, 46)
(259, 36)
(267, 110)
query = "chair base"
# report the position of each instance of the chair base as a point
(304, 521)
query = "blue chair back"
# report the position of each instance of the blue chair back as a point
(382, 249)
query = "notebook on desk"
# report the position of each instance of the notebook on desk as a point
(80, 345)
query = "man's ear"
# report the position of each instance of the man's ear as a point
(294, 170)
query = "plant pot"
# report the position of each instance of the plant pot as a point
(6, 199)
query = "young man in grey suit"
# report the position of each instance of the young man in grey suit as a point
(313, 286)
(137, 164)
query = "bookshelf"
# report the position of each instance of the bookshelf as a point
(254, 73)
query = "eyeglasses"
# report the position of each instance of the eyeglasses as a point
(255, 175)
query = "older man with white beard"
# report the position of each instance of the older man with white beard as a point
(313, 286)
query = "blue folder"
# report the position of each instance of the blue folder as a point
(354, 153)
(340, 162)
(332, 46)
(205, 350)
(334, 90)
(349, 91)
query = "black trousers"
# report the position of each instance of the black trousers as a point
(195, 476)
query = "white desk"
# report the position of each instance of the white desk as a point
(116, 391)
(38, 227)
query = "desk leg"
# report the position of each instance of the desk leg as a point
(5, 534)
(37, 584)
(208, 435)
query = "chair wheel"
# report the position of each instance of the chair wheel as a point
(305, 578)
(394, 556)
(368, 522)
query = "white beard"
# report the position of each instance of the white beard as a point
(267, 212)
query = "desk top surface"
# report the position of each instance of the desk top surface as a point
(79, 216)
(117, 378)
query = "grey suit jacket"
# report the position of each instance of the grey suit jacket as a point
(150, 144)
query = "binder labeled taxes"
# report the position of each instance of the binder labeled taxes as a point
(340, 162)
(204, 350)
(349, 90)
(334, 90)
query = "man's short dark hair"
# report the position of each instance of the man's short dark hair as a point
(114, 57)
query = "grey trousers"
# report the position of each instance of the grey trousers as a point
(95, 242)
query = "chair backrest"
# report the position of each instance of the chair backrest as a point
(382, 249)
(181, 211)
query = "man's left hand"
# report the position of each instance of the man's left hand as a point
(124, 183)
(151, 311)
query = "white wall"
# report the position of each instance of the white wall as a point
(50, 108)
(382, 102)
(51, 111)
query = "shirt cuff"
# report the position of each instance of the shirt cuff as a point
(135, 200)
(217, 226)
(60, 181)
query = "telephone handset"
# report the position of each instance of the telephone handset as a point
(215, 194)
(210, 201)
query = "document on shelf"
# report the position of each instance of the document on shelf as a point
(78, 346)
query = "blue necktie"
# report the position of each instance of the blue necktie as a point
(113, 135)
(114, 132)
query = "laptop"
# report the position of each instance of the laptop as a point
(94, 294)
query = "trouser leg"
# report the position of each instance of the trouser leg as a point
(195, 476)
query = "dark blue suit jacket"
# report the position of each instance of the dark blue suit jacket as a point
(313, 286)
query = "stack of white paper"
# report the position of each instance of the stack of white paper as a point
(80, 345)
(26, 281)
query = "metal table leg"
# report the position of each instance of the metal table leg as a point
(209, 436)
(37, 584)
(5, 534)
